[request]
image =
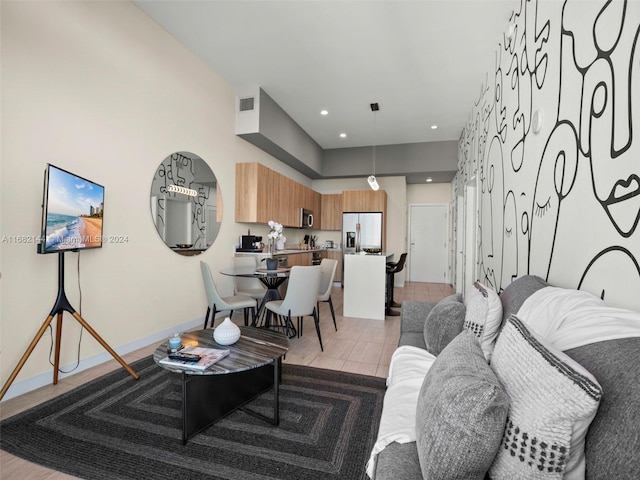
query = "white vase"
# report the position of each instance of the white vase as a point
(226, 333)
(279, 244)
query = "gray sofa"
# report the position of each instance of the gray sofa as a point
(612, 447)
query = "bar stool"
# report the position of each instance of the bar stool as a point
(392, 269)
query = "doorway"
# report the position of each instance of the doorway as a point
(428, 232)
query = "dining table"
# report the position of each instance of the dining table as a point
(272, 279)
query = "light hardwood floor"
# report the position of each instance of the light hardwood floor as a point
(359, 346)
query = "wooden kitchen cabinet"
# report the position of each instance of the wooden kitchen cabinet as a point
(304, 259)
(252, 193)
(263, 194)
(331, 211)
(364, 201)
(336, 255)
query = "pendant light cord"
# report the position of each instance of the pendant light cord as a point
(374, 143)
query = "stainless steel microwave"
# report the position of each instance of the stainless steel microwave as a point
(306, 218)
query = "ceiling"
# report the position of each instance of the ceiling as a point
(423, 61)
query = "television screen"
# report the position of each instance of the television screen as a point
(72, 212)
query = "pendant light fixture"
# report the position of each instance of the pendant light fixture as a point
(373, 183)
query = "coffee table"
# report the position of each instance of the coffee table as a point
(252, 367)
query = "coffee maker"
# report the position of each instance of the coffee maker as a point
(250, 243)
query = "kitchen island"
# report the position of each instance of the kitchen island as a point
(364, 285)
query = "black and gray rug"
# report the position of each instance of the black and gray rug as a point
(118, 428)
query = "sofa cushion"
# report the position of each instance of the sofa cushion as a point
(553, 399)
(408, 367)
(483, 315)
(444, 322)
(517, 292)
(412, 318)
(413, 315)
(613, 442)
(461, 413)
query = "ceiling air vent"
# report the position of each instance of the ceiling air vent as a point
(246, 104)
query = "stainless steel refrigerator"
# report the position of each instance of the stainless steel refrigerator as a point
(360, 231)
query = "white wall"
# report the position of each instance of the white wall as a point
(101, 90)
(428, 193)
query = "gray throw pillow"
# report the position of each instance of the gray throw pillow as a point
(461, 413)
(444, 322)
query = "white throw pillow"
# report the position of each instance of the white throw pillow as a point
(483, 316)
(552, 401)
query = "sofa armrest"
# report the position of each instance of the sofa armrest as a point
(413, 316)
(398, 461)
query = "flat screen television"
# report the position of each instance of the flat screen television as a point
(72, 212)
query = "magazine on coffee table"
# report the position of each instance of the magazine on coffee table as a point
(208, 356)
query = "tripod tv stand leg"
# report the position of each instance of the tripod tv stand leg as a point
(61, 305)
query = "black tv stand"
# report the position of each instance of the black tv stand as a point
(62, 304)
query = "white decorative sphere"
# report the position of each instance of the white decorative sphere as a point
(226, 333)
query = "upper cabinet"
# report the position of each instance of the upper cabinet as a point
(263, 194)
(331, 211)
(364, 201)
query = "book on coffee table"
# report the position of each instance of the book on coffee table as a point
(208, 356)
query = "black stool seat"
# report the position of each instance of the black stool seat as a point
(392, 269)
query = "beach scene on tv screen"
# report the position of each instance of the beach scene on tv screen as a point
(74, 212)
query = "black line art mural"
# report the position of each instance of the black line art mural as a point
(550, 145)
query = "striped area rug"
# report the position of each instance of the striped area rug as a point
(115, 427)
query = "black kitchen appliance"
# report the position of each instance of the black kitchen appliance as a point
(250, 243)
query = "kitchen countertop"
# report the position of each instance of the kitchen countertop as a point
(379, 254)
(291, 251)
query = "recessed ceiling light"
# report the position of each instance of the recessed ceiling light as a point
(429, 179)
(343, 135)
(433, 127)
(324, 112)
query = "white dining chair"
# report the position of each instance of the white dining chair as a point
(216, 303)
(300, 300)
(328, 266)
(250, 286)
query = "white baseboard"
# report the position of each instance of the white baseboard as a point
(37, 381)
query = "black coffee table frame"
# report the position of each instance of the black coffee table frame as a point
(209, 398)
(253, 366)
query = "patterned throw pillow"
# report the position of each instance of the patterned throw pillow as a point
(483, 316)
(461, 412)
(444, 322)
(552, 402)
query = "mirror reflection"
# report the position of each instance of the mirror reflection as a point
(185, 203)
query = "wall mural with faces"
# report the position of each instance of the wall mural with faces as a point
(550, 142)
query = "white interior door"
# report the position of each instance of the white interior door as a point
(428, 257)
(177, 222)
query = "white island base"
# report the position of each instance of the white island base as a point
(364, 285)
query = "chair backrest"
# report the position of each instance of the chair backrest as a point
(400, 265)
(302, 292)
(244, 284)
(210, 287)
(328, 267)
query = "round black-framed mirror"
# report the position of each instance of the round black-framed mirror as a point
(186, 203)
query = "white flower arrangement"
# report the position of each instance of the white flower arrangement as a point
(276, 230)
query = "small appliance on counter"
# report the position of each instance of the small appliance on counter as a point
(250, 243)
